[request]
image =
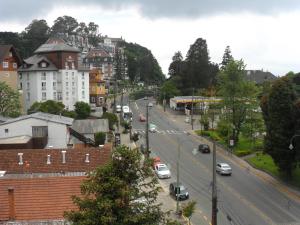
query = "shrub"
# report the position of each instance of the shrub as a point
(99, 138)
(241, 153)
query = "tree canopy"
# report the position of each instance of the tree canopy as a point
(82, 110)
(227, 57)
(238, 95)
(124, 191)
(281, 113)
(9, 101)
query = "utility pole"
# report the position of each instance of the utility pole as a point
(177, 191)
(214, 189)
(164, 101)
(192, 111)
(147, 131)
(115, 93)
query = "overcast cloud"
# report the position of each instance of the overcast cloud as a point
(28, 9)
(262, 32)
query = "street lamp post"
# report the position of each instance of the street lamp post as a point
(149, 105)
(214, 189)
(291, 146)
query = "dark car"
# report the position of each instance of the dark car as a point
(204, 148)
(178, 190)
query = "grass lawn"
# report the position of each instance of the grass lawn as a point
(265, 162)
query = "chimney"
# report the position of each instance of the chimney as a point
(87, 160)
(20, 154)
(48, 159)
(63, 156)
(11, 203)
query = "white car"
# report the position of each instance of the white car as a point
(224, 169)
(162, 171)
(126, 109)
(118, 108)
(152, 128)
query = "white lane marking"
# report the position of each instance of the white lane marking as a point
(136, 106)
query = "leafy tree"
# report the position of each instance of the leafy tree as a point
(15, 40)
(176, 67)
(48, 106)
(168, 90)
(212, 112)
(112, 119)
(82, 110)
(64, 25)
(227, 57)
(123, 191)
(188, 210)
(99, 138)
(238, 95)
(280, 113)
(199, 72)
(82, 29)
(9, 101)
(204, 121)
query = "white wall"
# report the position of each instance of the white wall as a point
(58, 135)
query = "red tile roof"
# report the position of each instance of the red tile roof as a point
(35, 160)
(39, 198)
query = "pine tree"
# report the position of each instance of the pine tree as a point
(227, 57)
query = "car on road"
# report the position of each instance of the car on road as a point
(152, 128)
(156, 160)
(178, 191)
(223, 169)
(204, 148)
(118, 108)
(142, 118)
(162, 171)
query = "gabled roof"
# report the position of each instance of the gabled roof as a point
(55, 47)
(4, 49)
(91, 126)
(259, 76)
(97, 53)
(32, 64)
(43, 116)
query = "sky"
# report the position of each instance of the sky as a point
(264, 33)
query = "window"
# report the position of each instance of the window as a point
(15, 66)
(73, 93)
(20, 76)
(28, 86)
(66, 65)
(73, 84)
(6, 131)
(73, 66)
(67, 84)
(83, 94)
(54, 76)
(27, 75)
(20, 86)
(54, 85)
(59, 97)
(43, 86)
(44, 96)
(43, 64)
(67, 94)
(82, 75)
(54, 96)
(73, 75)
(82, 84)
(43, 76)
(28, 96)
(67, 75)
(5, 64)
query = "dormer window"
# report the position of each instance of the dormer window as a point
(43, 64)
(15, 65)
(10, 54)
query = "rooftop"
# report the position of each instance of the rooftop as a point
(91, 126)
(55, 47)
(15, 140)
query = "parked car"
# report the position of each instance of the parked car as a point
(156, 160)
(224, 169)
(142, 118)
(162, 171)
(178, 191)
(204, 148)
(145, 98)
(118, 108)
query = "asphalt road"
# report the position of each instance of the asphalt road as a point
(243, 198)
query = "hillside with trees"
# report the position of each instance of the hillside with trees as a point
(142, 65)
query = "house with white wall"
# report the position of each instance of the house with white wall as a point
(54, 72)
(54, 128)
